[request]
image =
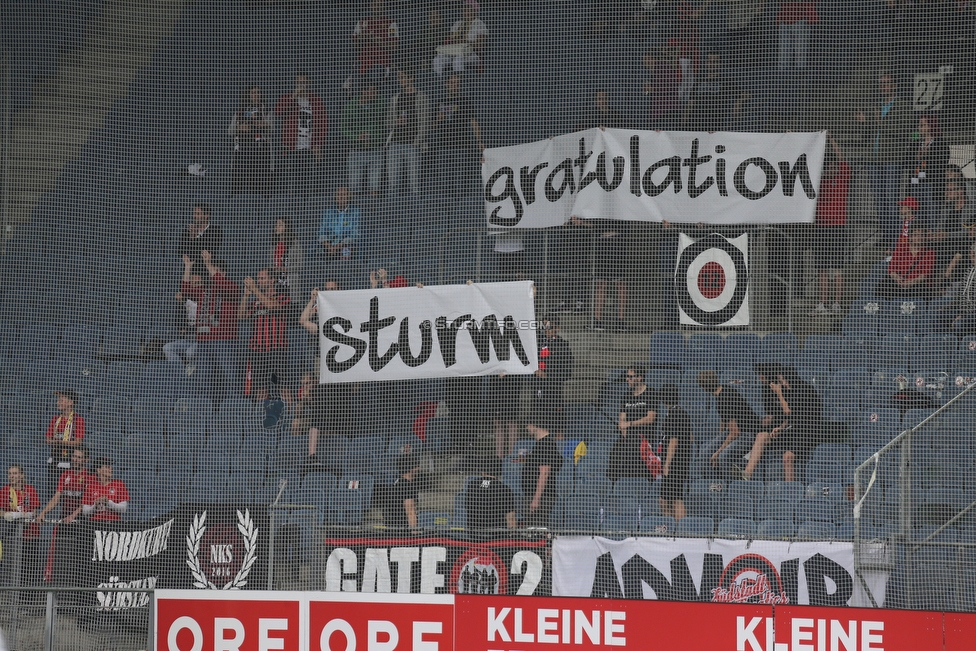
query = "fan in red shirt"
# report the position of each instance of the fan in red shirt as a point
(831, 228)
(377, 36)
(105, 499)
(19, 500)
(268, 347)
(71, 488)
(65, 432)
(912, 262)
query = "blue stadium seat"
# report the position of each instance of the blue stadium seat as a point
(695, 526)
(774, 509)
(819, 509)
(737, 528)
(667, 350)
(741, 350)
(935, 351)
(658, 525)
(864, 318)
(791, 491)
(778, 347)
(772, 529)
(857, 352)
(904, 317)
(705, 351)
(816, 530)
(897, 351)
(842, 401)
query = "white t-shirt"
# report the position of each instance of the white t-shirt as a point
(477, 29)
(304, 138)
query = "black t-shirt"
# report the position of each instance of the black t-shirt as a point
(732, 406)
(487, 501)
(401, 491)
(806, 407)
(544, 453)
(406, 107)
(677, 425)
(771, 405)
(637, 407)
(452, 124)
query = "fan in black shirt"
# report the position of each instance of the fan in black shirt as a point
(401, 511)
(736, 416)
(636, 423)
(490, 504)
(679, 440)
(539, 474)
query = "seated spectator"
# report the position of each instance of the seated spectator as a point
(456, 134)
(376, 38)
(912, 263)
(601, 114)
(65, 433)
(339, 231)
(105, 499)
(831, 221)
(401, 512)
(465, 45)
(287, 259)
(638, 411)
(954, 174)
(200, 235)
(716, 101)
(929, 178)
(958, 209)
(363, 122)
(250, 130)
(184, 349)
(956, 248)
(20, 502)
(959, 316)
(659, 108)
(538, 480)
(303, 130)
(268, 347)
(489, 503)
(738, 425)
(767, 373)
(407, 122)
(679, 442)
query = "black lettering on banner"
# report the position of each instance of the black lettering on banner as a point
(790, 175)
(692, 163)
(527, 181)
(552, 193)
(815, 569)
(789, 571)
(426, 345)
(636, 572)
(508, 193)
(739, 180)
(712, 568)
(600, 175)
(720, 171)
(635, 173)
(447, 338)
(673, 163)
(501, 339)
(606, 583)
(358, 345)
(580, 162)
(683, 294)
(373, 327)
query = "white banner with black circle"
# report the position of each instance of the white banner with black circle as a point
(711, 280)
(413, 333)
(727, 571)
(678, 176)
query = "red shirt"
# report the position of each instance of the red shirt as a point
(25, 501)
(832, 205)
(380, 28)
(270, 325)
(72, 485)
(288, 107)
(216, 307)
(908, 266)
(65, 428)
(794, 12)
(114, 491)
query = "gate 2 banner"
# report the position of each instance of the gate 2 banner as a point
(725, 571)
(413, 333)
(715, 178)
(711, 280)
(440, 566)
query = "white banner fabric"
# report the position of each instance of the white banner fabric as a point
(701, 569)
(678, 176)
(711, 281)
(413, 333)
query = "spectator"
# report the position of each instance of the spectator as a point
(959, 316)
(954, 174)
(912, 263)
(931, 160)
(216, 322)
(402, 510)
(539, 468)
(465, 44)
(424, 48)
(689, 14)
(408, 121)
(886, 130)
(715, 103)
(831, 238)
(339, 231)
(767, 374)
(376, 38)
(65, 433)
(200, 235)
(638, 411)
(250, 129)
(738, 425)
(456, 134)
(71, 487)
(287, 259)
(488, 501)
(362, 127)
(462, 395)
(555, 368)
(380, 279)
(20, 502)
(679, 443)
(958, 209)
(610, 252)
(795, 20)
(268, 346)
(105, 499)
(509, 252)
(601, 114)
(303, 132)
(504, 390)
(659, 88)
(184, 349)
(958, 216)
(798, 435)
(322, 410)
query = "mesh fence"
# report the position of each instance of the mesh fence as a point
(194, 192)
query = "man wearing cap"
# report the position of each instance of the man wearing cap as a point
(65, 432)
(105, 499)
(539, 468)
(488, 501)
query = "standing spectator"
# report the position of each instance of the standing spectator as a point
(488, 502)
(687, 37)
(912, 263)
(679, 442)
(831, 221)
(287, 259)
(738, 425)
(65, 433)
(71, 488)
(402, 510)
(795, 20)
(339, 230)
(200, 235)
(456, 135)
(573, 242)
(362, 127)
(105, 499)
(539, 468)
(184, 349)
(610, 252)
(376, 38)
(408, 121)
(322, 410)
(216, 322)
(659, 89)
(268, 347)
(555, 368)
(250, 129)
(504, 390)
(303, 133)
(424, 47)
(931, 160)
(601, 114)
(886, 129)
(20, 501)
(638, 411)
(716, 102)
(465, 44)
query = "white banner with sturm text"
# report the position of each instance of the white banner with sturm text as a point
(413, 333)
(678, 176)
(724, 571)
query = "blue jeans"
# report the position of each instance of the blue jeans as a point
(365, 160)
(885, 179)
(794, 41)
(728, 456)
(398, 155)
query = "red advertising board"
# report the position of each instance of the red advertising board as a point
(809, 628)
(960, 631)
(344, 622)
(247, 621)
